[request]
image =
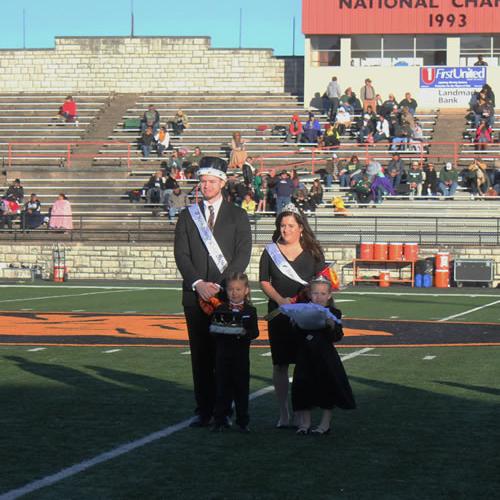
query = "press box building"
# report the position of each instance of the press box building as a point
(426, 47)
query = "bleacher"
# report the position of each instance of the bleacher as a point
(31, 119)
(98, 193)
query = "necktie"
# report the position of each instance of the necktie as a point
(211, 217)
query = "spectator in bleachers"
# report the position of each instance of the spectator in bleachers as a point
(416, 178)
(367, 128)
(417, 136)
(382, 132)
(263, 194)
(343, 120)
(331, 137)
(483, 110)
(155, 188)
(61, 216)
(248, 172)
(316, 192)
(312, 129)
(401, 135)
(346, 100)
(146, 142)
(170, 184)
(448, 180)
(488, 94)
(347, 170)
(174, 161)
(238, 151)
(389, 106)
(248, 204)
(191, 163)
(396, 165)
(162, 140)
(333, 93)
(177, 173)
(409, 102)
(9, 209)
(430, 186)
(303, 202)
(295, 129)
(177, 202)
(361, 189)
(68, 111)
(480, 61)
(483, 135)
(297, 183)
(283, 189)
(32, 217)
(368, 95)
(405, 117)
(179, 123)
(15, 191)
(381, 186)
(476, 178)
(378, 104)
(150, 119)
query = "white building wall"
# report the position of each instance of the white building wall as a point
(387, 79)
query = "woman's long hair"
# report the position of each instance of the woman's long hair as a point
(308, 241)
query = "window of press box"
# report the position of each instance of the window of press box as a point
(398, 50)
(472, 46)
(325, 51)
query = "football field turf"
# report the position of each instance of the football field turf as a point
(425, 426)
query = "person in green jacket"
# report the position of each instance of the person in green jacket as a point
(448, 180)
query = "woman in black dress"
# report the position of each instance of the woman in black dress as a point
(286, 266)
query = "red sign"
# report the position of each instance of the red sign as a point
(373, 17)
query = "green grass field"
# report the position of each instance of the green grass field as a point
(426, 426)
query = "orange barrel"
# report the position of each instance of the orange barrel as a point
(59, 273)
(383, 279)
(442, 270)
(410, 252)
(395, 251)
(380, 251)
(366, 250)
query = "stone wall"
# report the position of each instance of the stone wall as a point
(145, 64)
(136, 262)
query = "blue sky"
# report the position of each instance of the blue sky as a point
(266, 23)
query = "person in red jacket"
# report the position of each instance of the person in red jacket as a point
(68, 111)
(295, 129)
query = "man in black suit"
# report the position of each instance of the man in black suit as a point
(204, 266)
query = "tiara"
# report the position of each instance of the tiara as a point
(290, 207)
(321, 279)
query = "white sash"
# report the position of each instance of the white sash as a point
(208, 238)
(282, 264)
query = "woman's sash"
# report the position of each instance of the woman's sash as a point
(282, 264)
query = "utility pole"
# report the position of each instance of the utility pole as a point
(293, 37)
(132, 18)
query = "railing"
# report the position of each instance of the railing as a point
(68, 153)
(329, 229)
(422, 151)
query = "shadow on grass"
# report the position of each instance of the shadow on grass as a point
(475, 388)
(60, 415)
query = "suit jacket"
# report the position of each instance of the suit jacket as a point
(232, 232)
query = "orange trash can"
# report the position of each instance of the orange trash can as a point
(380, 251)
(366, 250)
(395, 251)
(442, 270)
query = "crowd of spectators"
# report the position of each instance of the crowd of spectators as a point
(481, 117)
(13, 207)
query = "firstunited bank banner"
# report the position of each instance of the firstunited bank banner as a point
(364, 17)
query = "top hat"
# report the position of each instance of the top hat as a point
(212, 165)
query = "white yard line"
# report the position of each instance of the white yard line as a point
(111, 351)
(95, 287)
(186, 353)
(428, 358)
(471, 295)
(36, 349)
(25, 299)
(125, 448)
(469, 311)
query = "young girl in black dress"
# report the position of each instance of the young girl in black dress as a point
(319, 379)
